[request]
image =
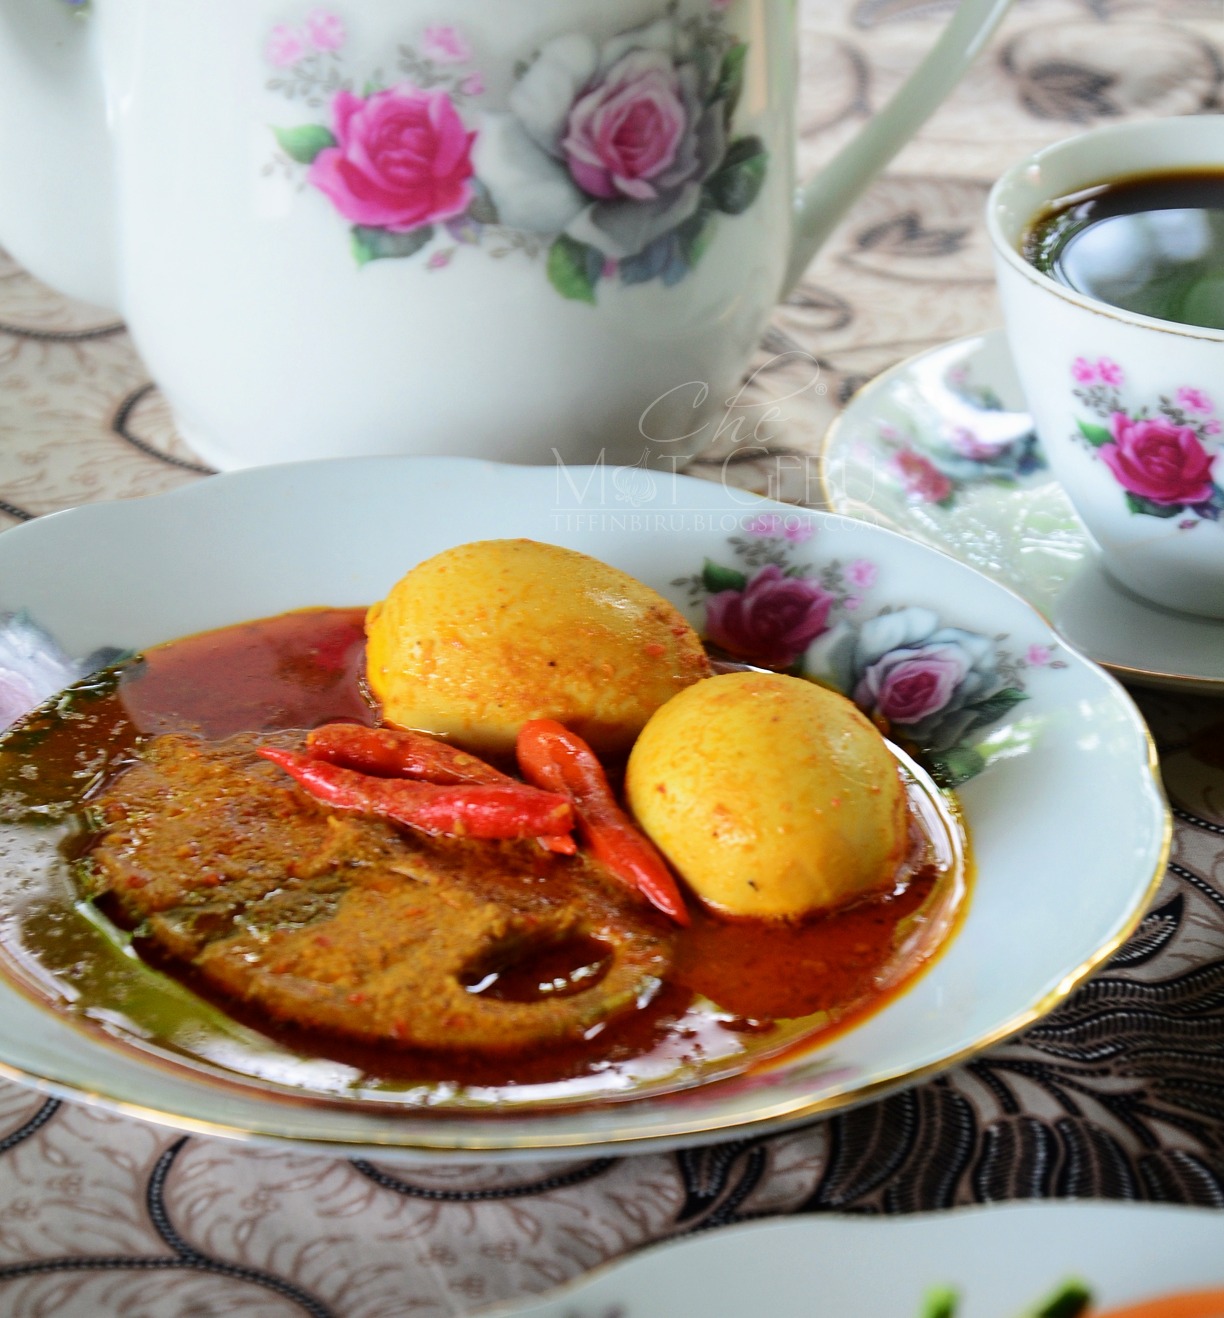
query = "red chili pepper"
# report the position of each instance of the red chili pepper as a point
(482, 810)
(395, 753)
(556, 759)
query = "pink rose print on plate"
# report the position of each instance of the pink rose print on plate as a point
(325, 30)
(923, 481)
(933, 684)
(906, 687)
(969, 445)
(445, 45)
(772, 620)
(285, 47)
(1158, 461)
(862, 572)
(1195, 400)
(402, 159)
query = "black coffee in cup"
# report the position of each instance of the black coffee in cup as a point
(1152, 244)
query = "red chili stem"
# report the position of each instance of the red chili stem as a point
(396, 753)
(557, 760)
(479, 810)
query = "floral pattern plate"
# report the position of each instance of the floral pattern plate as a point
(1000, 1261)
(1052, 763)
(941, 448)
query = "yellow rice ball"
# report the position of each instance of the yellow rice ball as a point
(771, 796)
(477, 640)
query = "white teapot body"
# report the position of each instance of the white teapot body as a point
(516, 230)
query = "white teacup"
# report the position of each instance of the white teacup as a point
(484, 227)
(1130, 409)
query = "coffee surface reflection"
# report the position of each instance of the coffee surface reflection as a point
(1151, 244)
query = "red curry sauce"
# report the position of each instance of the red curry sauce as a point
(740, 991)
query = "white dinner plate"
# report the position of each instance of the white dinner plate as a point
(1001, 1261)
(941, 448)
(1068, 824)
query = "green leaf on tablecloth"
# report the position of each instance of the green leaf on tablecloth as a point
(305, 142)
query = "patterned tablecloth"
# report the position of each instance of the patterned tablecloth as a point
(1119, 1094)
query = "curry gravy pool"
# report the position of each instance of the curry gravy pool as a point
(736, 993)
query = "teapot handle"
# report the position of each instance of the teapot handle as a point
(824, 200)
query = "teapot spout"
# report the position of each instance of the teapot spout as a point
(823, 202)
(57, 215)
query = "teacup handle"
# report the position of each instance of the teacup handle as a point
(824, 200)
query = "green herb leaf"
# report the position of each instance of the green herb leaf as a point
(381, 244)
(305, 142)
(1070, 1300)
(940, 1302)
(574, 268)
(1097, 436)
(737, 182)
(1138, 504)
(715, 577)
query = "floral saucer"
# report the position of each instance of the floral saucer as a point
(941, 449)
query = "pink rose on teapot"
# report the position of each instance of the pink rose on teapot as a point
(402, 159)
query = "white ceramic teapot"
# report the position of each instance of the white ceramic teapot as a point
(429, 226)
